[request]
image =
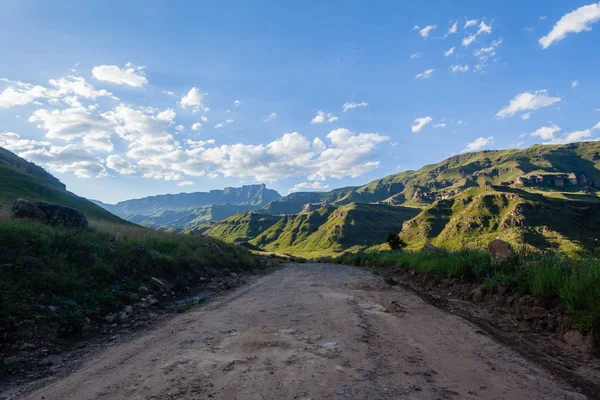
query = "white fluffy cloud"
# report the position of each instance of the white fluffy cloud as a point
(478, 144)
(546, 132)
(194, 100)
(308, 185)
(449, 52)
(120, 165)
(70, 158)
(420, 123)
(574, 84)
(73, 123)
(440, 125)
(549, 134)
(486, 52)
(67, 89)
(469, 23)
(459, 68)
(185, 183)
(427, 30)
(452, 30)
(237, 102)
(20, 94)
(271, 117)
(574, 22)
(144, 133)
(321, 118)
(130, 75)
(196, 126)
(350, 106)
(483, 28)
(425, 74)
(13, 142)
(415, 55)
(527, 101)
(167, 115)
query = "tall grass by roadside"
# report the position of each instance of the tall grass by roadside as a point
(549, 277)
(57, 275)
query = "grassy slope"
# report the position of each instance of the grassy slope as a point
(17, 182)
(479, 215)
(333, 229)
(241, 227)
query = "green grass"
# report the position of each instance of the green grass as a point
(547, 276)
(81, 274)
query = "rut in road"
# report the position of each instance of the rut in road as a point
(311, 331)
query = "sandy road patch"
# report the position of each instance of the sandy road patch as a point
(313, 331)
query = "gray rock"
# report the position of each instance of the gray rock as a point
(26, 209)
(477, 294)
(117, 238)
(12, 360)
(500, 251)
(110, 318)
(214, 247)
(27, 346)
(143, 289)
(574, 396)
(52, 360)
(429, 247)
(49, 213)
(66, 216)
(537, 313)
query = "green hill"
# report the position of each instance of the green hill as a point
(479, 215)
(330, 230)
(20, 178)
(241, 227)
(323, 231)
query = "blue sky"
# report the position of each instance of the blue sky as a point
(105, 95)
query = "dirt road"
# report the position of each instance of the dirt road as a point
(311, 331)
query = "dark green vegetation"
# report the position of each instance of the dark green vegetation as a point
(58, 280)
(571, 284)
(52, 274)
(188, 211)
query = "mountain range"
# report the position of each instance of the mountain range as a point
(185, 211)
(545, 196)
